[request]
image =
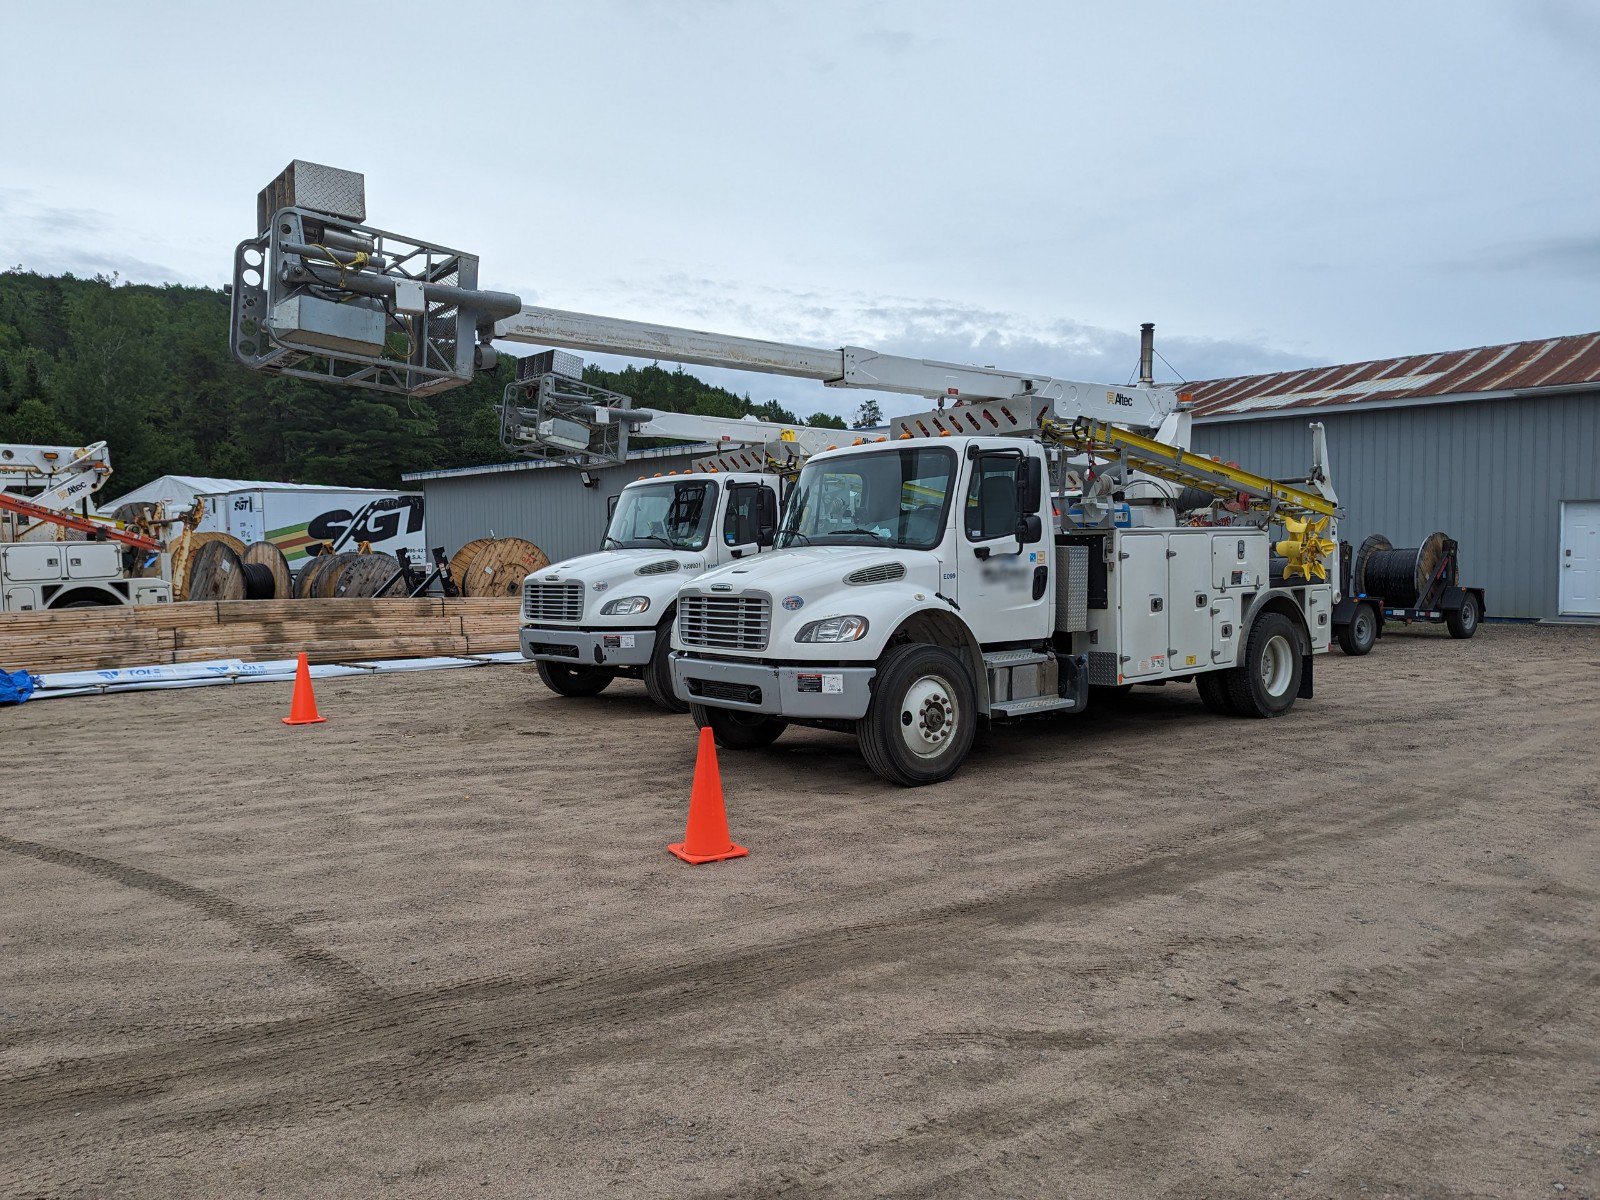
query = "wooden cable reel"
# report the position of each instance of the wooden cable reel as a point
(265, 556)
(216, 572)
(498, 568)
(461, 561)
(367, 574)
(326, 581)
(185, 550)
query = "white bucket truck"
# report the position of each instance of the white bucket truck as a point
(922, 585)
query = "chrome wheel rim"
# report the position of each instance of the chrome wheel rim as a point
(1277, 665)
(929, 716)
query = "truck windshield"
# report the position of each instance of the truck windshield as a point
(878, 497)
(675, 513)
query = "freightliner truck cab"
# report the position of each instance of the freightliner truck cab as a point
(601, 616)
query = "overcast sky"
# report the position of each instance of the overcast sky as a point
(1273, 184)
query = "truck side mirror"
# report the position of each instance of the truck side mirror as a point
(1030, 528)
(1030, 486)
(766, 517)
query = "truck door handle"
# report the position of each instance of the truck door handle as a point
(1041, 576)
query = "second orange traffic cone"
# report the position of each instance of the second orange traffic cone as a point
(303, 704)
(706, 838)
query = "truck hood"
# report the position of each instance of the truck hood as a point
(611, 574)
(811, 571)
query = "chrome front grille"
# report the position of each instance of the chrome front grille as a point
(552, 601)
(724, 622)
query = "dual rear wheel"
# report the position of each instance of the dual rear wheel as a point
(1267, 679)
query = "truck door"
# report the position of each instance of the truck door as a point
(1006, 592)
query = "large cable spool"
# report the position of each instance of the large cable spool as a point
(498, 569)
(184, 550)
(325, 585)
(1400, 576)
(216, 573)
(366, 575)
(264, 556)
(461, 561)
(305, 583)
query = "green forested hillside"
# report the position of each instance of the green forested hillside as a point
(147, 369)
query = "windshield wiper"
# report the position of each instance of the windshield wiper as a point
(793, 533)
(609, 538)
(873, 533)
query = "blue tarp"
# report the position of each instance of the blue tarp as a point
(16, 686)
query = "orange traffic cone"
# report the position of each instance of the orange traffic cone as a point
(303, 705)
(706, 837)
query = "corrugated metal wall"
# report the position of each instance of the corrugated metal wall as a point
(1491, 474)
(548, 506)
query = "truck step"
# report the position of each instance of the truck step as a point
(1013, 658)
(1027, 708)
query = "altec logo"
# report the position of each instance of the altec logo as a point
(1119, 398)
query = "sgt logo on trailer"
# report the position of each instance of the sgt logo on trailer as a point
(376, 522)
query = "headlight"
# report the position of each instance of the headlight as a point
(625, 606)
(834, 629)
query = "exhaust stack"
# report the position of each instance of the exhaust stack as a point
(1147, 354)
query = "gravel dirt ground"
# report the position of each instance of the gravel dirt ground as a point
(436, 947)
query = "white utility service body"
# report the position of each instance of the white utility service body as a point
(38, 575)
(591, 619)
(47, 488)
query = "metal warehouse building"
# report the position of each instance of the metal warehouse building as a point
(548, 504)
(1499, 447)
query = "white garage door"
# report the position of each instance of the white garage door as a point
(1580, 558)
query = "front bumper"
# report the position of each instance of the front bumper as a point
(837, 693)
(588, 647)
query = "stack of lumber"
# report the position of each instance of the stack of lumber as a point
(331, 630)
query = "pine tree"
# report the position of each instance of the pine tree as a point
(869, 414)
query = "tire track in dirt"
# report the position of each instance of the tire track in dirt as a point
(408, 1049)
(352, 1052)
(320, 964)
(1019, 1124)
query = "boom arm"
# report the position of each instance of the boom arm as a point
(321, 295)
(847, 367)
(66, 475)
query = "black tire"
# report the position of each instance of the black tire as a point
(1463, 622)
(1265, 683)
(575, 681)
(923, 695)
(1213, 688)
(734, 730)
(1361, 634)
(658, 672)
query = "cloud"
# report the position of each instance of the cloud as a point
(1577, 255)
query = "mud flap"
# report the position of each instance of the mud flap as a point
(1072, 679)
(1305, 677)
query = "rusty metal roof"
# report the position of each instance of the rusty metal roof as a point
(1563, 362)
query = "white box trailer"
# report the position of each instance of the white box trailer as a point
(294, 519)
